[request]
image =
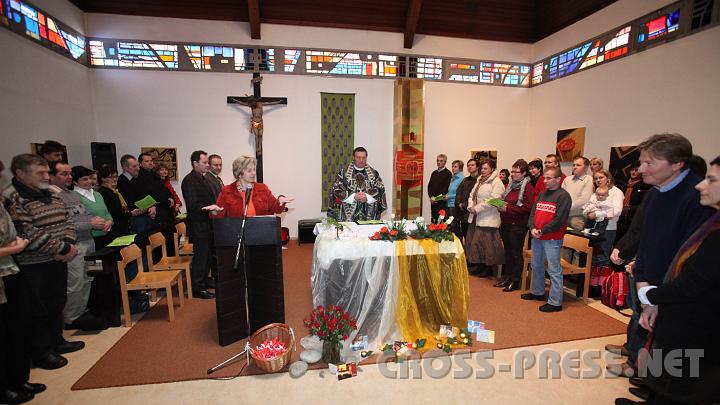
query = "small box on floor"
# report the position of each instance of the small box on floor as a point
(305, 230)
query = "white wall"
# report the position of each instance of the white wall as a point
(188, 110)
(669, 88)
(673, 87)
(44, 95)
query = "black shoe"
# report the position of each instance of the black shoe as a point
(50, 361)
(638, 382)
(204, 294)
(15, 397)
(642, 393)
(531, 296)
(550, 308)
(32, 388)
(625, 401)
(503, 283)
(513, 286)
(69, 347)
(88, 322)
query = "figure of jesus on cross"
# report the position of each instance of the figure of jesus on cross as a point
(256, 103)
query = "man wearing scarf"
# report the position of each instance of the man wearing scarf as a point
(41, 218)
(358, 192)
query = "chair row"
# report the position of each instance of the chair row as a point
(162, 274)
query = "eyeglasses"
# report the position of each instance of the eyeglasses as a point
(515, 171)
(549, 178)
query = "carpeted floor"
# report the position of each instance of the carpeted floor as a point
(157, 351)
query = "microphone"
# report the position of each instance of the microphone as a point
(248, 191)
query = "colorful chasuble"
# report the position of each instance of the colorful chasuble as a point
(355, 180)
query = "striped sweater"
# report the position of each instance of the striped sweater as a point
(40, 217)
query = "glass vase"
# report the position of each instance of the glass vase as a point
(331, 352)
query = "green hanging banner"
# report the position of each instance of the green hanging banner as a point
(338, 137)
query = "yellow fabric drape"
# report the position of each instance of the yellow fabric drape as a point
(433, 290)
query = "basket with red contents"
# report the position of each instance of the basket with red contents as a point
(270, 347)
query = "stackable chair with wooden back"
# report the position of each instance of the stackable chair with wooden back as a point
(146, 281)
(576, 243)
(527, 259)
(182, 246)
(168, 263)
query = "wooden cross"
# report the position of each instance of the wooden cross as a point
(256, 103)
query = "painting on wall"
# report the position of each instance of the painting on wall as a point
(35, 150)
(621, 157)
(484, 154)
(166, 156)
(570, 143)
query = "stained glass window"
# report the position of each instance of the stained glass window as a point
(537, 75)
(340, 63)
(426, 68)
(568, 61)
(35, 24)
(504, 74)
(604, 50)
(388, 65)
(208, 57)
(658, 27)
(267, 60)
(243, 59)
(463, 72)
(291, 59)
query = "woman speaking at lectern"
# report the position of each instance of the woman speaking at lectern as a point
(232, 198)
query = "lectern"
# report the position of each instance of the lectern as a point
(261, 254)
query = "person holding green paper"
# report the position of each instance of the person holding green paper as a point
(133, 189)
(438, 186)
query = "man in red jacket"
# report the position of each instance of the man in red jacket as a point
(547, 223)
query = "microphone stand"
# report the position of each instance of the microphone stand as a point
(246, 352)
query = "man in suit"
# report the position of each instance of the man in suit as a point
(198, 195)
(213, 174)
(133, 189)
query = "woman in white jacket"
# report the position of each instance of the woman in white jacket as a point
(483, 246)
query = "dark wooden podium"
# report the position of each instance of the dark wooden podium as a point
(262, 255)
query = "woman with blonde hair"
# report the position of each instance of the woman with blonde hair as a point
(232, 196)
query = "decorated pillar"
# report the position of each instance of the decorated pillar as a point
(408, 144)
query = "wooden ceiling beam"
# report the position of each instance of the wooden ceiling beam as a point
(413, 16)
(254, 18)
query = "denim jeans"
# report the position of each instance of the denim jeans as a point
(636, 334)
(547, 250)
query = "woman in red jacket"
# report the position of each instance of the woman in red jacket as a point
(232, 196)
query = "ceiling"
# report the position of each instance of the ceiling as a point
(525, 21)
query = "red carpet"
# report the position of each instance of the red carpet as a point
(157, 351)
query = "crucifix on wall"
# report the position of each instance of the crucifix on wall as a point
(256, 103)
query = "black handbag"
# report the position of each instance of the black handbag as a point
(139, 302)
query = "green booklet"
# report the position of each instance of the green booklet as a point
(145, 203)
(437, 198)
(496, 202)
(123, 240)
(370, 222)
(181, 216)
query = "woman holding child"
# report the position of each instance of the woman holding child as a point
(604, 208)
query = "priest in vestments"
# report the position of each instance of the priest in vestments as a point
(358, 192)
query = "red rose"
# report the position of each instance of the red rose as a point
(377, 235)
(330, 307)
(443, 226)
(393, 233)
(432, 227)
(320, 308)
(384, 229)
(441, 213)
(345, 337)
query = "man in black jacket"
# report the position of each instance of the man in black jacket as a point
(438, 186)
(198, 194)
(133, 190)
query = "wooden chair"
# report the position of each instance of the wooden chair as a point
(182, 246)
(527, 259)
(146, 281)
(168, 263)
(579, 245)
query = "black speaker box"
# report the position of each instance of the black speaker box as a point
(103, 153)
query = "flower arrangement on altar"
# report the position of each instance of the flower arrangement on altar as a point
(332, 325)
(438, 231)
(392, 231)
(331, 220)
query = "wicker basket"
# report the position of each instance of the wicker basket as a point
(270, 332)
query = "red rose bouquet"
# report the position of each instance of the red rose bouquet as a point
(330, 324)
(437, 231)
